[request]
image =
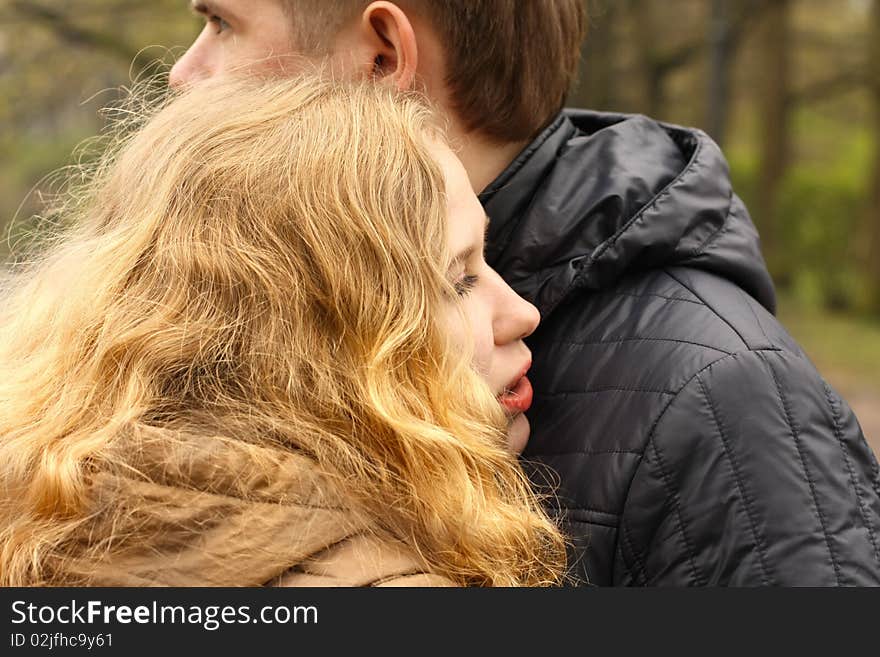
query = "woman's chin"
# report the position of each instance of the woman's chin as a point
(518, 433)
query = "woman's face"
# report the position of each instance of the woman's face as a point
(495, 317)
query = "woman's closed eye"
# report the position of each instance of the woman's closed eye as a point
(465, 284)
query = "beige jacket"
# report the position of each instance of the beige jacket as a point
(197, 512)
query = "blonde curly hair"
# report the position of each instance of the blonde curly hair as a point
(262, 261)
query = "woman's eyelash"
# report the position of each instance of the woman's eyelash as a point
(465, 285)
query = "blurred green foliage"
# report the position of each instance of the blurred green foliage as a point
(819, 212)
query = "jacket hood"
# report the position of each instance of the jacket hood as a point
(598, 196)
(199, 510)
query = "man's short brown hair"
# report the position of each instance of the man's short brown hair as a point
(510, 63)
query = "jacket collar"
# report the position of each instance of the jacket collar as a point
(597, 196)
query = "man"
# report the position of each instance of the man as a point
(690, 439)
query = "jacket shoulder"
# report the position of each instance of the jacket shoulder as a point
(755, 472)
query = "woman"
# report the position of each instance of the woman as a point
(269, 351)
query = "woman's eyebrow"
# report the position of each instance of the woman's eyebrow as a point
(464, 256)
(468, 252)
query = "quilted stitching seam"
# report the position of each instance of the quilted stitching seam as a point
(690, 549)
(838, 433)
(737, 476)
(812, 484)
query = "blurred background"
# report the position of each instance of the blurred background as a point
(790, 88)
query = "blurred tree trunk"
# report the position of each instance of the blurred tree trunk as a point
(653, 76)
(775, 47)
(598, 58)
(729, 21)
(656, 62)
(872, 213)
(721, 48)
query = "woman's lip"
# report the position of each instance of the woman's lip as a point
(518, 400)
(515, 380)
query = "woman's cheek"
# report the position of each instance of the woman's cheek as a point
(484, 344)
(470, 327)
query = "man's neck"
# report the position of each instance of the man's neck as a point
(484, 160)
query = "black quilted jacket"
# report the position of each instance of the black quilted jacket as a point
(691, 440)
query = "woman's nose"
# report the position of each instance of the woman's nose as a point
(515, 317)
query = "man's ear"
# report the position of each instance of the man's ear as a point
(393, 42)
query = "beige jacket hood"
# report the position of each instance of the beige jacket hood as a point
(209, 511)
